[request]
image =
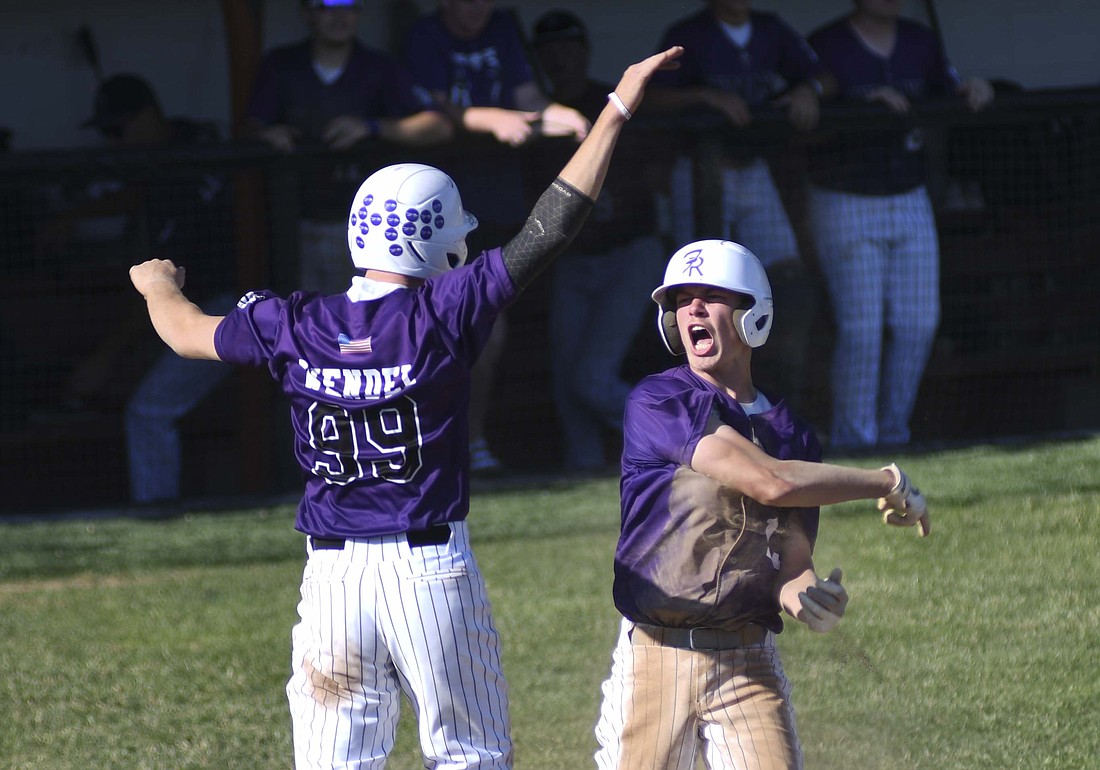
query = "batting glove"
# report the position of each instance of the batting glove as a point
(823, 603)
(904, 505)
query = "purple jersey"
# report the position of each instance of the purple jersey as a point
(879, 162)
(481, 72)
(379, 392)
(775, 58)
(692, 553)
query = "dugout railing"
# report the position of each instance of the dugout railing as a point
(1018, 212)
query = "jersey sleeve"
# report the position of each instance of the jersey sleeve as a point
(248, 333)
(467, 301)
(664, 422)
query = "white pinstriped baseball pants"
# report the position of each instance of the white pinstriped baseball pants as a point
(880, 259)
(379, 618)
(663, 705)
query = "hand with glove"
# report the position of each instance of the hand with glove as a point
(904, 505)
(823, 603)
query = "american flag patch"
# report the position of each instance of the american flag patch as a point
(348, 346)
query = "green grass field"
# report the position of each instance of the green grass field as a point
(165, 644)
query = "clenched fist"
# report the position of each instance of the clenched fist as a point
(154, 273)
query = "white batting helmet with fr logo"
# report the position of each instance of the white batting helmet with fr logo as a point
(725, 265)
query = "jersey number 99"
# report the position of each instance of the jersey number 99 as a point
(383, 442)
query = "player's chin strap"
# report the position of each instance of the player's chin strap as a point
(556, 218)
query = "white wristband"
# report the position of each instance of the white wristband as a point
(614, 99)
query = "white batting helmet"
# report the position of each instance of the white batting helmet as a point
(408, 219)
(725, 265)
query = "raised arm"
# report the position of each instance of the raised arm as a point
(180, 323)
(560, 212)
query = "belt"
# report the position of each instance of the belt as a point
(417, 538)
(698, 638)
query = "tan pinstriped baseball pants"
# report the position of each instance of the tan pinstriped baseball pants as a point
(664, 706)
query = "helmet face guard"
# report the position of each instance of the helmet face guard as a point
(724, 265)
(408, 219)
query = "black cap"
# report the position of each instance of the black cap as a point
(558, 25)
(118, 99)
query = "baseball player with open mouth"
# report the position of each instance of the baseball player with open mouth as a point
(720, 492)
(378, 379)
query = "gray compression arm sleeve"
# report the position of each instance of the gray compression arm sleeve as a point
(554, 221)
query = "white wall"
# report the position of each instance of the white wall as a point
(46, 90)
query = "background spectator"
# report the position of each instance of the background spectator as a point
(873, 223)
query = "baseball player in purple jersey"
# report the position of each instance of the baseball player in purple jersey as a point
(720, 492)
(736, 62)
(379, 380)
(873, 223)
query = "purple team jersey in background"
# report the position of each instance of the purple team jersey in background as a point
(693, 553)
(379, 393)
